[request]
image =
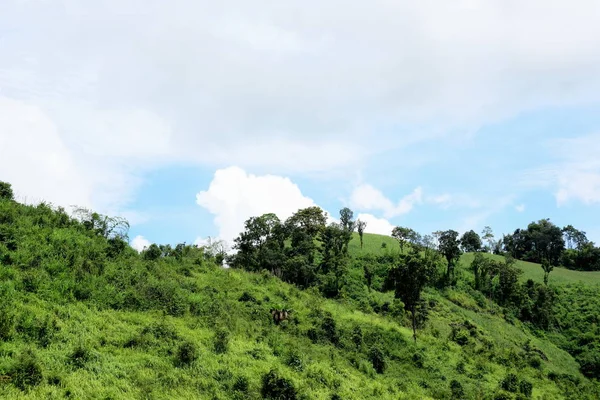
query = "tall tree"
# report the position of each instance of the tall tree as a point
(449, 247)
(334, 258)
(402, 235)
(547, 267)
(470, 242)
(409, 278)
(347, 225)
(260, 245)
(360, 226)
(488, 236)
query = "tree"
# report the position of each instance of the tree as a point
(409, 278)
(470, 242)
(574, 238)
(103, 225)
(260, 245)
(6, 192)
(547, 267)
(403, 235)
(334, 257)
(449, 247)
(488, 236)
(347, 224)
(360, 226)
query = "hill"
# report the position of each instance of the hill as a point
(82, 315)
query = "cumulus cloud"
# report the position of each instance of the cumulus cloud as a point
(234, 195)
(140, 243)
(380, 226)
(366, 197)
(575, 173)
(192, 81)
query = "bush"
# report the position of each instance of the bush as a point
(221, 341)
(510, 383)
(276, 387)
(187, 353)
(357, 337)
(330, 329)
(27, 372)
(294, 361)
(247, 297)
(526, 388)
(457, 390)
(241, 385)
(80, 356)
(377, 359)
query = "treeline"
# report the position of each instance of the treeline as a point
(544, 242)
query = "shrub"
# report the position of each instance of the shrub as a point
(457, 390)
(247, 297)
(80, 356)
(510, 383)
(27, 372)
(276, 387)
(241, 385)
(330, 329)
(377, 359)
(357, 337)
(221, 341)
(187, 353)
(526, 388)
(294, 361)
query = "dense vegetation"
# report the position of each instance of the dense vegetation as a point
(82, 315)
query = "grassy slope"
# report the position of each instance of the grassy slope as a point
(372, 244)
(117, 369)
(534, 271)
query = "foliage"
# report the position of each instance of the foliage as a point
(471, 242)
(83, 315)
(6, 191)
(449, 247)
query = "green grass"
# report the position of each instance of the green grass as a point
(372, 244)
(558, 276)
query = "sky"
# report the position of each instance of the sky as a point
(188, 117)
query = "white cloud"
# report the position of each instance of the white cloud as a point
(575, 174)
(448, 200)
(477, 220)
(296, 88)
(233, 196)
(140, 243)
(520, 207)
(366, 197)
(380, 226)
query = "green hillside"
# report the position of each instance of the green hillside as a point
(559, 275)
(372, 244)
(82, 316)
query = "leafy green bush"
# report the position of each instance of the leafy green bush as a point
(221, 341)
(80, 356)
(377, 358)
(526, 388)
(457, 389)
(510, 383)
(27, 372)
(277, 388)
(187, 353)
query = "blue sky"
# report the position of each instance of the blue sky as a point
(189, 118)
